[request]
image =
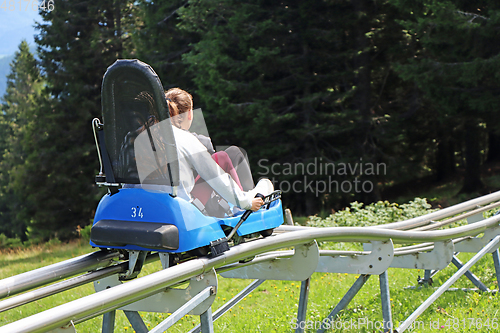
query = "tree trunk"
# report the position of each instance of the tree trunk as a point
(445, 158)
(363, 94)
(472, 177)
(493, 147)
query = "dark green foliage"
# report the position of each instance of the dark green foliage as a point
(455, 64)
(297, 82)
(77, 42)
(411, 85)
(19, 122)
(160, 43)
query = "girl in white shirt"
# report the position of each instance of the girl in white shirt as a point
(193, 156)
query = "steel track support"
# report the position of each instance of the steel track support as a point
(302, 311)
(205, 317)
(108, 322)
(356, 287)
(206, 322)
(231, 303)
(469, 275)
(136, 321)
(426, 281)
(490, 246)
(169, 299)
(297, 267)
(386, 301)
(496, 262)
(427, 277)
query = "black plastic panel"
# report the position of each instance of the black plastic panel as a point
(150, 235)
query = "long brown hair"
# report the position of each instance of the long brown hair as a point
(179, 101)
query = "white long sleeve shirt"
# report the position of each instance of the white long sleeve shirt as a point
(192, 156)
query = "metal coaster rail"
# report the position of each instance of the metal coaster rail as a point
(102, 263)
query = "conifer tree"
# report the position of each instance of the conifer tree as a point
(160, 42)
(296, 82)
(20, 133)
(77, 42)
(456, 66)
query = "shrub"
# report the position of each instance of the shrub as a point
(9, 243)
(381, 212)
(84, 232)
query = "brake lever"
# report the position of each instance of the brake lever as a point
(243, 218)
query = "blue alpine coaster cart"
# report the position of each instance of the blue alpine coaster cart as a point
(141, 213)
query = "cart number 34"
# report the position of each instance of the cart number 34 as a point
(137, 212)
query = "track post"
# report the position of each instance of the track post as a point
(427, 277)
(206, 321)
(304, 296)
(356, 287)
(386, 301)
(231, 303)
(288, 217)
(474, 279)
(136, 321)
(496, 262)
(108, 322)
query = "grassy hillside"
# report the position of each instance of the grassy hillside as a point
(272, 307)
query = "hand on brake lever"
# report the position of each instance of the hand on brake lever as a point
(257, 202)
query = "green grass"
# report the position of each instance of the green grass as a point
(272, 307)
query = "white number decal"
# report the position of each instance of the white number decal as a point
(137, 211)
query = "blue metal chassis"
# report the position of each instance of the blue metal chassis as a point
(195, 229)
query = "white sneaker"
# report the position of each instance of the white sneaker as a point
(264, 187)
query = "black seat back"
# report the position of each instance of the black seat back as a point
(133, 103)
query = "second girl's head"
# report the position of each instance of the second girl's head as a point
(180, 104)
